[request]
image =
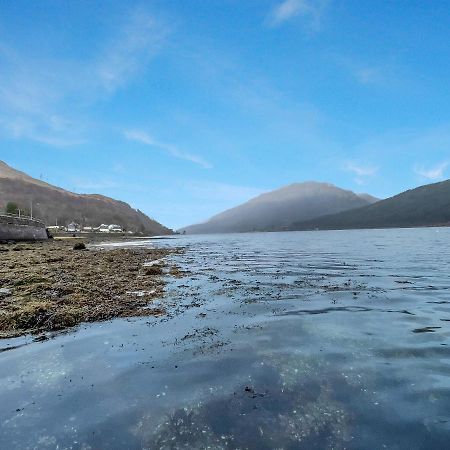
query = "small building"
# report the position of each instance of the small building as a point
(115, 228)
(103, 228)
(73, 227)
(87, 230)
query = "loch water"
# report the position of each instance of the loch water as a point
(300, 340)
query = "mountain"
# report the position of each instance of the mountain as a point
(55, 205)
(369, 198)
(427, 205)
(278, 210)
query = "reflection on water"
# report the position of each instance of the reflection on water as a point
(274, 341)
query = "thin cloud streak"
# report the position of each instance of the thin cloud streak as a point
(34, 90)
(368, 75)
(433, 174)
(287, 10)
(19, 127)
(145, 138)
(141, 38)
(363, 173)
(252, 95)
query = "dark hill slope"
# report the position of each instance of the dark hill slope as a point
(52, 204)
(278, 209)
(427, 205)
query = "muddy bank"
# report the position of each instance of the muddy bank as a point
(49, 286)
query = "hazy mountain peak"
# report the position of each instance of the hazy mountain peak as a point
(278, 209)
(369, 198)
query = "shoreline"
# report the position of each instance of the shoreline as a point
(49, 286)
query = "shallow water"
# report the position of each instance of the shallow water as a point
(274, 341)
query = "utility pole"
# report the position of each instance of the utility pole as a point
(31, 209)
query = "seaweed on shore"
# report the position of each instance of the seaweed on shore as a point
(48, 286)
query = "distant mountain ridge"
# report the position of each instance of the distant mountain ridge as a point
(56, 205)
(279, 209)
(427, 205)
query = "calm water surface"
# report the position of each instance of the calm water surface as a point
(275, 341)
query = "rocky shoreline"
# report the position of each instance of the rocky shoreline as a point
(49, 286)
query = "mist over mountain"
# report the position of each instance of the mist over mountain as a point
(55, 205)
(279, 209)
(427, 205)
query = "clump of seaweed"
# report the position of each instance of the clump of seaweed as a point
(48, 286)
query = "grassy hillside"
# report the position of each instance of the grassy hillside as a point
(427, 205)
(55, 205)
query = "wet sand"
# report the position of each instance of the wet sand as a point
(48, 286)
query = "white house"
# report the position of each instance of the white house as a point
(103, 228)
(115, 228)
(72, 227)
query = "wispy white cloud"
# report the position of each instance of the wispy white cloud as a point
(368, 75)
(145, 138)
(362, 172)
(383, 73)
(250, 94)
(312, 10)
(373, 73)
(140, 38)
(35, 90)
(434, 173)
(38, 130)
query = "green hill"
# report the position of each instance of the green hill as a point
(427, 205)
(55, 205)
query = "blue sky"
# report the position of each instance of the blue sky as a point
(185, 108)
